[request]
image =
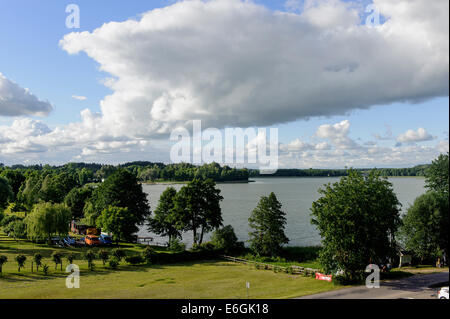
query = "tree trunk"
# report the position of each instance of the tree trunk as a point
(201, 235)
(195, 235)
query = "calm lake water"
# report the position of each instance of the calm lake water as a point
(296, 196)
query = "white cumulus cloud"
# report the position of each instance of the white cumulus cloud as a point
(237, 63)
(412, 136)
(16, 101)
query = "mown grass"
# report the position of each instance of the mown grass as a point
(212, 279)
(188, 280)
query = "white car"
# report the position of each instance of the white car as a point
(443, 293)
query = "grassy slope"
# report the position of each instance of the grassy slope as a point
(208, 279)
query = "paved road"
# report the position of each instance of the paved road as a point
(415, 287)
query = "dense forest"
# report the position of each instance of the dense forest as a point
(83, 173)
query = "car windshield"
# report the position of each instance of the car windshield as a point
(107, 238)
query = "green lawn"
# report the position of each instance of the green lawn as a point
(207, 279)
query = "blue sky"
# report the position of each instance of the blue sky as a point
(31, 56)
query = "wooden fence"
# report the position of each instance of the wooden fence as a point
(296, 270)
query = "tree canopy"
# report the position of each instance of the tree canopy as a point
(197, 208)
(267, 222)
(164, 220)
(76, 199)
(6, 193)
(437, 175)
(47, 219)
(357, 219)
(426, 225)
(118, 221)
(121, 189)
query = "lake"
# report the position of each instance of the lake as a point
(296, 195)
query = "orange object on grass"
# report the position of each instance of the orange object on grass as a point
(92, 240)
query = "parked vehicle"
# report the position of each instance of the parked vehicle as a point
(443, 293)
(57, 241)
(92, 240)
(69, 241)
(105, 240)
(80, 242)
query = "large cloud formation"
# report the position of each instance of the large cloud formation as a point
(15, 100)
(234, 63)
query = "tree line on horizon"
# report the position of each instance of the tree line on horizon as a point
(147, 172)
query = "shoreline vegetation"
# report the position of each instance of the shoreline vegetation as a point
(159, 173)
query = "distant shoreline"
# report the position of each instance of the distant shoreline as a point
(255, 177)
(185, 182)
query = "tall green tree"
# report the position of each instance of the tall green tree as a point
(29, 191)
(197, 208)
(6, 193)
(55, 187)
(437, 175)
(76, 200)
(267, 222)
(121, 189)
(15, 179)
(425, 226)
(164, 220)
(357, 219)
(119, 221)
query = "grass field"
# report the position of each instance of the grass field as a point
(216, 279)
(191, 280)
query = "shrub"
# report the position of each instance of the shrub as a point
(7, 219)
(204, 247)
(148, 254)
(90, 256)
(70, 258)
(104, 255)
(21, 261)
(135, 260)
(17, 229)
(119, 253)
(45, 269)
(113, 262)
(176, 245)
(344, 279)
(225, 239)
(57, 259)
(37, 260)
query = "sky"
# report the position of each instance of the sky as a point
(341, 91)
